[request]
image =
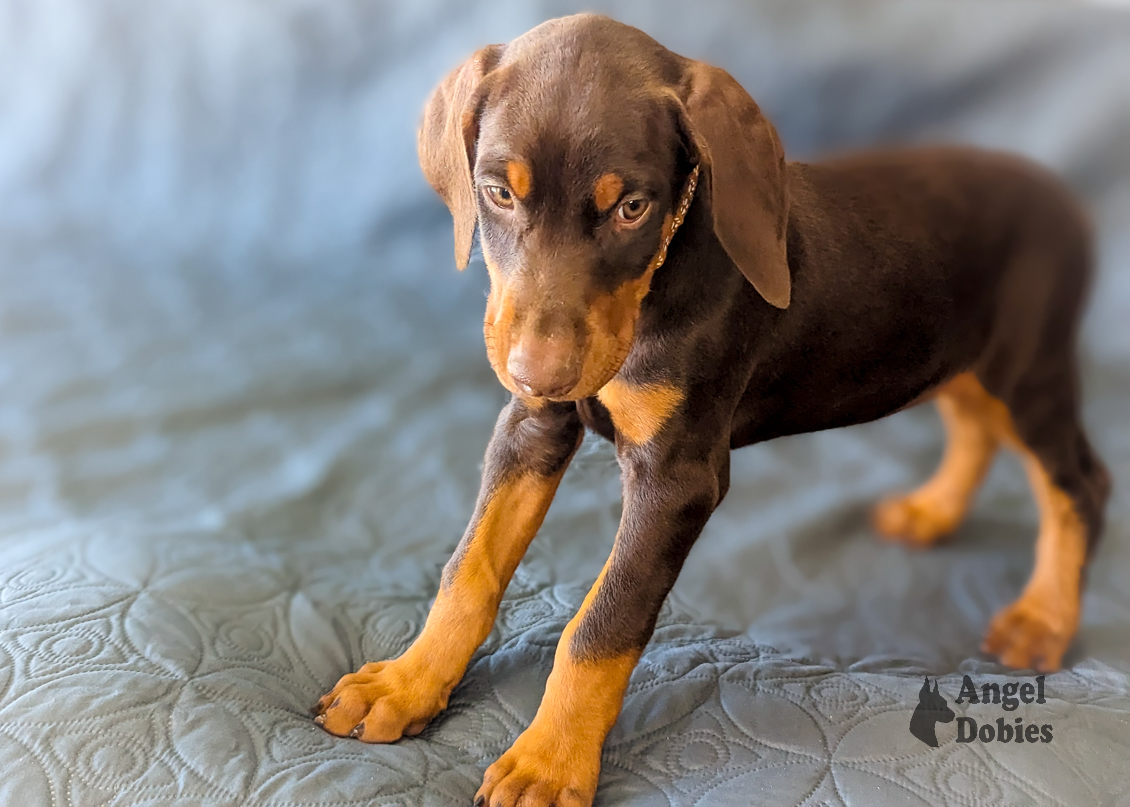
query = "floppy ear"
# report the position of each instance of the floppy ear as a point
(446, 143)
(744, 164)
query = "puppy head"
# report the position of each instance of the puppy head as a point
(571, 148)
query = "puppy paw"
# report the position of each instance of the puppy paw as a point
(1032, 633)
(381, 702)
(542, 768)
(914, 520)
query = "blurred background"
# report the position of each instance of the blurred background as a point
(244, 401)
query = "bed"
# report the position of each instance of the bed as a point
(244, 401)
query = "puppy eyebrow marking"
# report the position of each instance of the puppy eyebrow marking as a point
(639, 411)
(606, 191)
(518, 175)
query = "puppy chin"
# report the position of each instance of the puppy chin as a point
(597, 371)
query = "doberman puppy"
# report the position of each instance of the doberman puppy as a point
(661, 275)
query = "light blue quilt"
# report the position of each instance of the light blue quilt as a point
(244, 401)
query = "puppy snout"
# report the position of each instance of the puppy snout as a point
(545, 367)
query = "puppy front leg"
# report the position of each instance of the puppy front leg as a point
(527, 455)
(556, 761)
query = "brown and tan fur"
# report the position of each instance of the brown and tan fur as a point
(976, 425)
(794, 297)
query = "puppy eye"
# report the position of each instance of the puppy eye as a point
(632, 210)
(500, 196)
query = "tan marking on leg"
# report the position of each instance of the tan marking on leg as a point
(607, 191)
(386, 700)
(967, 391)
(519, 177)
(639, 411)
(557, 759)
(1035, 631)
(938, 507)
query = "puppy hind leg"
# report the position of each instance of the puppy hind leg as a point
(938, 507)
(1070, 485)
(1035, 630)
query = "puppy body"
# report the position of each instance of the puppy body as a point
(908, 268)
(793, 298)
(912, 271)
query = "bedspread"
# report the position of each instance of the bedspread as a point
(244, 402)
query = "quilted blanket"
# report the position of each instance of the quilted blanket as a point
(244, 402)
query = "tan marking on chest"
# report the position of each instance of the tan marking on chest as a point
(606, 191)
(518, 175)
(639, 411)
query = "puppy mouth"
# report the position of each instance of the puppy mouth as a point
(597, 369)
(557, 394)
(577, 392)
(591, 382)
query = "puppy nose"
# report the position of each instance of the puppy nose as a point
(545, 367)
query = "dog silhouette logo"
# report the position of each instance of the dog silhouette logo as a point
(931, 710)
